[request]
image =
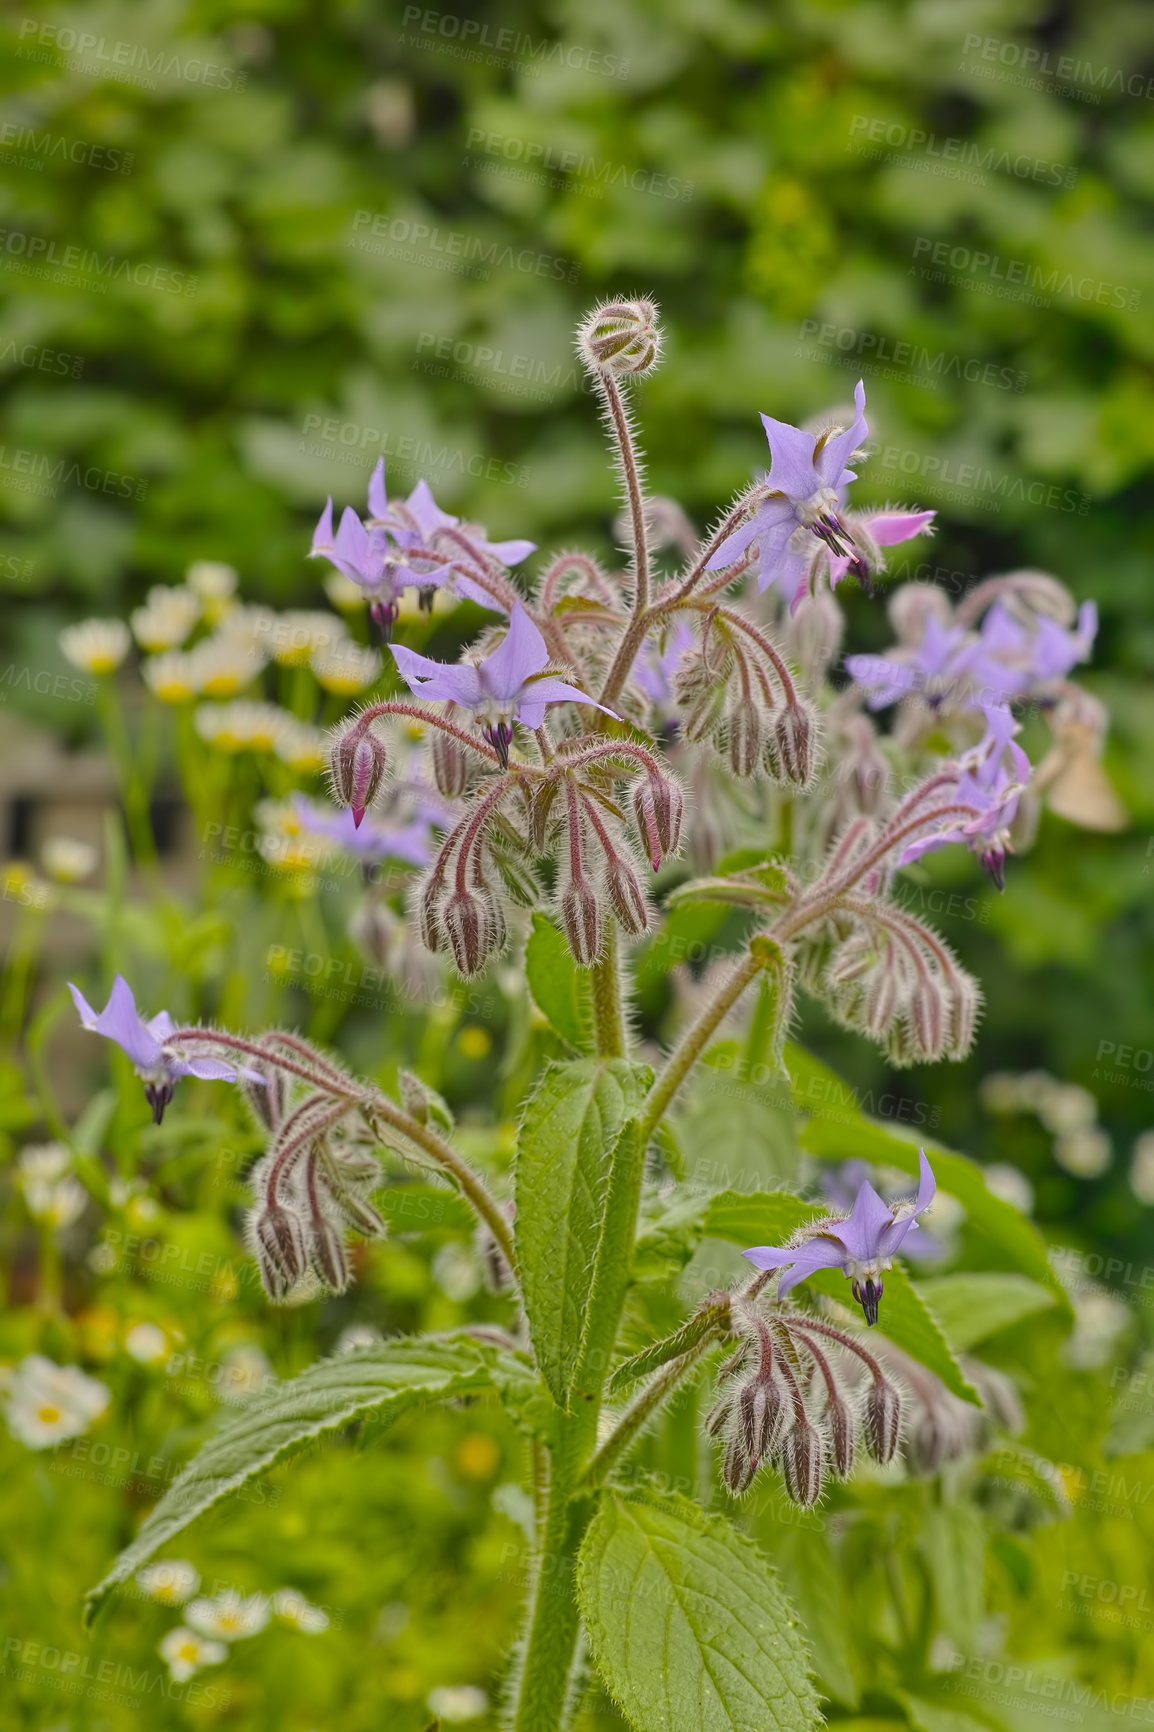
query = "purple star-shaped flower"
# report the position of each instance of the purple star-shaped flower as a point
(807, 478)
(414, 523)
(159, 1065)
(508, 686)
(1013, 660)
(993, 790)
(938, 662)
(371, 841)
(861, 1244)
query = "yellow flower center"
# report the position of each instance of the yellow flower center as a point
(48, 1415)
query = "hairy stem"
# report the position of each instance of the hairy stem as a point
(634, 1420)
(608, 1011)
(693, 1043)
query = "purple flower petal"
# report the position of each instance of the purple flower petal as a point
(429, 679)
(868, 1220)
(819, 1253)
(831, 460)
(521, 652)
(120, 1021)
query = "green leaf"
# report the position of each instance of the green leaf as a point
(688, 1623)
(560, 989)
(848, 1133)
(563, 1161)
(387, 1378)
(970, 1307)
(770, 1217)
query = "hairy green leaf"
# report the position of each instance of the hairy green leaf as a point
(970, 1307)
(560, 989)
(387, 1379)
(564, 1152)
(688, 1622)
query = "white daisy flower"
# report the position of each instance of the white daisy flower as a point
(166, 619)
(48, 1403)
(57, 1204)
(171, 677)
(212, 580)
(457, 1702)
(185, 1653)
(346, 668)
(228, 1617)
(42, 1163)
(98, 646)
(293, 1609)
(68, 860)
(169, 1582)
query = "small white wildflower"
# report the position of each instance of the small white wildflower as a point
(58, 1204)
(344, 594)
(241, 726)
(166, 619)
(68, 860)
(358, 1335)
(171, 677)
(228, 1617)
(185, 1653)
(48, 1403)
(212, 580)
(169, 1582)
(98, 646)
(146, 1343)
(346, 668)
(293, 1609)
(302, 746)
(457, 1702)
(1085, 1153)
(1068, 1108)
(1142, 1168)
(221, 666)
(42, 1163)
(1010, 1185)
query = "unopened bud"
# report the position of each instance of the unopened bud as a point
(717, 1418)
(357, 763)
(762, 1408)
(626, 897)
(267, 1101)
(450, 763)
(278, 1242)
(795, 743)
(329, 1257)
(657, 806)
(883, 1421)
(431, 911)
(702, 696)
(583, 921)
(802, 1465)
(357, 1166)
(880, 999)
(842, 1434)
(622, 338)
(475, 927)
(414, 1097)
(962, 1020)
(737, 1469)
(927, 1013)
(743, 735)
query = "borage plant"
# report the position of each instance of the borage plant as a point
(603, 723)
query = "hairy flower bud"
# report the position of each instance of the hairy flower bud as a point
(795, 743)
(743, 736)
(762, 1408)
(329, 1257)
(962, 1018)
(430, 908)
(622, 338)
(843, 1437)
(928, 1009)
(267, 1102)
(702, 695)
(626, 897)
(802, 1464)
(583, 920)
(450, 762)
(883, 1420)
(718, 1417)
(278, 1243)
(657, 806)
(475, 927)
(357, 763)
(880, 998)
(737, 1469)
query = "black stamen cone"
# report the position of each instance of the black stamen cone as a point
(868, 1295)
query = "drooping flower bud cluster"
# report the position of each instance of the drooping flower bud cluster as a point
(785, 1398)
(314, 1185)
(737, 695)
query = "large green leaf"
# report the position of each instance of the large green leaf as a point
(560, 989)
(839, 1132)
(769, 1217)
(970, 1306)
(688, 1623)
(385, 1379)
(564, 1152)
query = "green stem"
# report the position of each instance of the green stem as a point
(554, 1623)
(637, 1416)
(608, 1010)
(692, 1044)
